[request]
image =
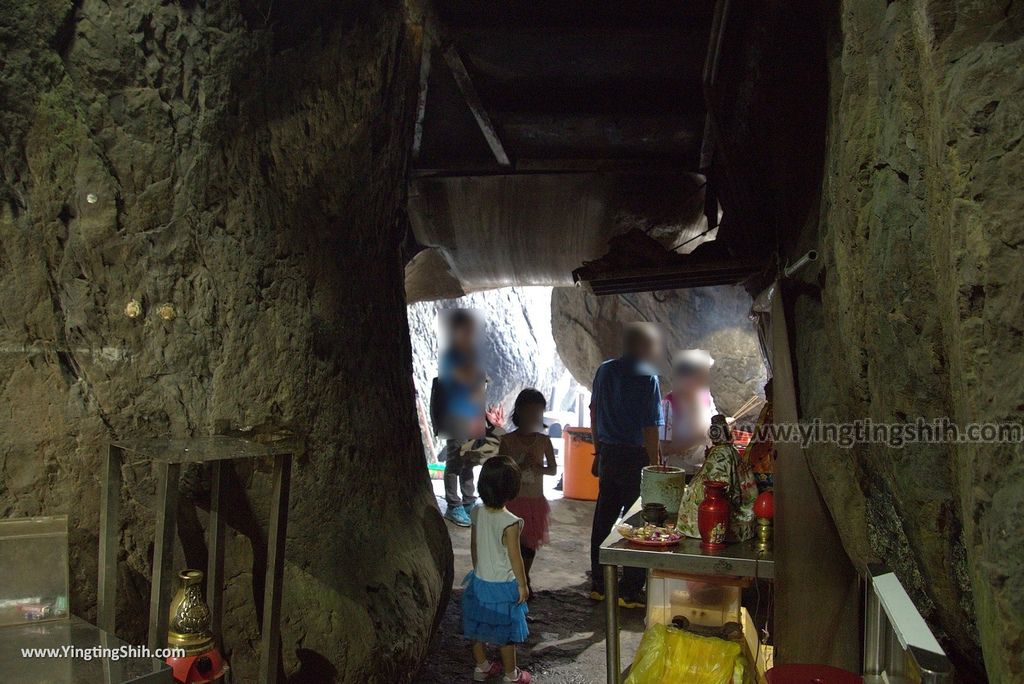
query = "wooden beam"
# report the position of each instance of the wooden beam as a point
(680, 97)
(561, 165)
(421, 101)
(579, 164)
(577, 136)
(584, 57)
(817, 601)
(691, 273)
(573, 14)
(735, 197)
(718, 23)
(465, 83)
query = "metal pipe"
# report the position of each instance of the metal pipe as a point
(167, 477)
(874, 631)
(611, 604)
(270, 640)
(801, 262)
(718, 22)
(110, 540)
(895, 657)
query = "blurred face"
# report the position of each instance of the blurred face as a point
(649, 349)
(690, 382)
(531, 417)
(464, 336)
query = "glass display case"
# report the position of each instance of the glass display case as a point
(70, 650)
(40, 641)
(33, 570)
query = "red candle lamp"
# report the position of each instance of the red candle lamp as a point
(764, 509)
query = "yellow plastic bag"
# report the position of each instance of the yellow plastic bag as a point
(670, 656)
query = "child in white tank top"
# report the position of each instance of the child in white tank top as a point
(494, 600)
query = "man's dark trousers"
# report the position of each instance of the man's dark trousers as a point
(458, 475)
(620, 469)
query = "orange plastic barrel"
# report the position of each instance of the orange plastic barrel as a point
(579, 483)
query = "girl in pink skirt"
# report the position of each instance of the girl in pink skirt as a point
(533, 452)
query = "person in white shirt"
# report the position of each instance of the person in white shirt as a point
(494, 601)
(692, 408)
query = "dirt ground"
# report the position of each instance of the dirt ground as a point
(567, 639)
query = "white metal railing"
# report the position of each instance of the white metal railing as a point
(898, 646)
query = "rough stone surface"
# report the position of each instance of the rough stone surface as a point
(518, 346)
(588, 331)
(428, 277)
(921, 308)
(243, 162)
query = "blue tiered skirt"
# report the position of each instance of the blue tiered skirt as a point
(491, 612)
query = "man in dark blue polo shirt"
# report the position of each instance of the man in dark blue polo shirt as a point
(625, 414)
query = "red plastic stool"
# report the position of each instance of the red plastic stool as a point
(811, 674)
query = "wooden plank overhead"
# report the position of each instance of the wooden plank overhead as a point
(476, 107)
(573, 13)
(535, 228)
(598, 91)
(566, 80)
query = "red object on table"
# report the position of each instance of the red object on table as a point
(811, 674)
(764, 506)
(741, 439)
(713, 516)
(660, 544)
(198, 669)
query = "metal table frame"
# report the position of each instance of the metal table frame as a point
(168, 455)
(895, 634)
(736, 560)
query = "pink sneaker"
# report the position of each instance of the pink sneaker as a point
(491, 672)
(522, 677)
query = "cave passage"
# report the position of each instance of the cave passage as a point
(552, 340)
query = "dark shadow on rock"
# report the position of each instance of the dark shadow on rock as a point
(313, 669)
(237, 513)
(440, 545)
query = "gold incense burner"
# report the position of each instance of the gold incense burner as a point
(189, 624)
(764, 534)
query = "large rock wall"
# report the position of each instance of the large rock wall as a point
(244, 162)
(588, 331)
(921, 308)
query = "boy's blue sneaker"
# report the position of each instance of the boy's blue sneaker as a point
(458, 515)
